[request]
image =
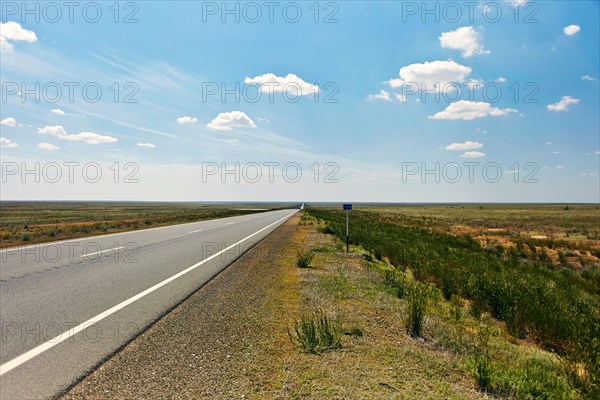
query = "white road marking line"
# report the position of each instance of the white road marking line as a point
(197, 230)
(23, 358)
(103, 251)
(230, 223)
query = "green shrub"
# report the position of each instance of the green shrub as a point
(395, 281)
(563, 260)
(417, 296)
(456, 305)
(482, 360)
(354, 331)
(316, 332)
(304, 258)
(390, 278)
(328, 230)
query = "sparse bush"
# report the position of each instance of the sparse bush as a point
(544, 257)
(395, 281)
(482, 361)
(417, 296)
(563, 260)
(327, 229)
(304, 258)
(354, 331)
(389, 277)
(456, 305)
(316, 332)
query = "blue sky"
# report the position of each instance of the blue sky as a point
(368, 129)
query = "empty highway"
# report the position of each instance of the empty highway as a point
(67, 306)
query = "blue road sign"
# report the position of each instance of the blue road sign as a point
(347, 206)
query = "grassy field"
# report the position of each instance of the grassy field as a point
(36, 222)
(532, 271)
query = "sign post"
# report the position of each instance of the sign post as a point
(347, 208)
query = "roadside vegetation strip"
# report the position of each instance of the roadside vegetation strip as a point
(375, 358)
(547, 305)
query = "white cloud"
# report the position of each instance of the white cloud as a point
(587, 78)
(7, 143)
(87, 137)
(548, 143)
(10, 121)
(291, 83)
(556, 152)
(563, 104)
(468, 110)
(232, 142)
(501, 79)
(187, 120)
(13, 32)
(474, 84)
(597, 152)
(400, 98)
(472, 154)
(57, 111)
(560, 167)
(48, 146)
(229, 121)
(148, 145)
(571, 30)
(433, 75)
(468, 145)
(465, 39)
(382, 95)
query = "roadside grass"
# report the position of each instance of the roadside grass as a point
(453, 355)
(377, 359)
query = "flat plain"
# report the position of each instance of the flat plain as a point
(24, 223)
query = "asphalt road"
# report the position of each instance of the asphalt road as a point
(67, 306)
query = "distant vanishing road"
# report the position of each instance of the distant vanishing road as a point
(66, 306)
